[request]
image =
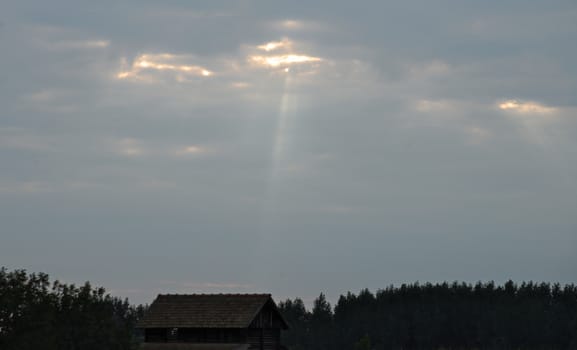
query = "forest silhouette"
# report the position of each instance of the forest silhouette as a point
(36, 313)
(438, 316)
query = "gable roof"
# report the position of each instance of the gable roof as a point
(184, 346)
(205, 310)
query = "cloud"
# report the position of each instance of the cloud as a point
(23, 139)
(146, 67)
(525, 26)
(291, 24)
(170, 14)
(218, 285)
(208, 286)
(132, 147)
(525, 107)
(296, 25)
(240, 85)
(433, 105)
(432, 69)
(244, 72)
(27, 187)
(129, 147)
(59, 38)
(538, 123)
(282, 54)
(284, 44)
(190, 150)
(283, 60)
(80, 44)
(478, 135)
(128, 107)
(53, 100)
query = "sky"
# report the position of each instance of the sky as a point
(291, 147)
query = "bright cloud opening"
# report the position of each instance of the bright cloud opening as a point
(131, 147)
(148, 63)
(527, 107)
(283, 60)
(276, 45)
(283, 56)
(190, 150)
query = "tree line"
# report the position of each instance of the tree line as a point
(438, 316)
(38, 314)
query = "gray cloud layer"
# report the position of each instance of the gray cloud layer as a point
(160, 147)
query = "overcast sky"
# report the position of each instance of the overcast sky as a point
(288, 147)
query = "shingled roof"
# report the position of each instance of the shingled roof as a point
(204, 310)
(175, 346)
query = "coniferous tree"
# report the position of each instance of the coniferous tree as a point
(36, 315)
(321, 324)
(298, 319)
(447, 316)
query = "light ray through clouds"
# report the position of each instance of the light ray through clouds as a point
(538, 123)
(533, 117)
(287, 104)
(285, 59)
(292, 131)
(280, 56)
(270, 212)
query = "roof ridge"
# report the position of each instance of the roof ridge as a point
(232, 310)
(217, 294)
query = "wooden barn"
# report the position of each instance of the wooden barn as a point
(212, 322)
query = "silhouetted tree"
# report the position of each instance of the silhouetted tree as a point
(364, 343)
(298, 319)
(445, 316)
(321, 324)
(35, 315)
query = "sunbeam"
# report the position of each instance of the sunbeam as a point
(281, 57)
(280, 138)
(280, 148)
(271, 203)
(538, 124)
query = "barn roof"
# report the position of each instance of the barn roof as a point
(184, 346)
(205, 310)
